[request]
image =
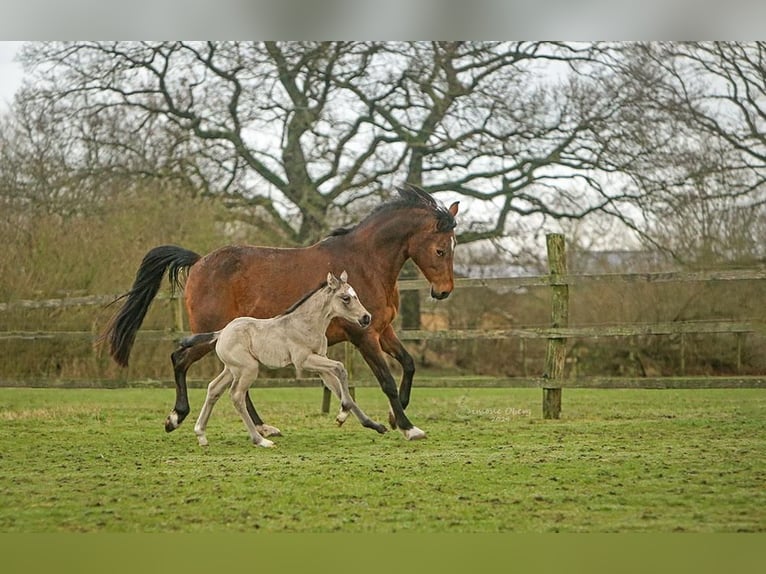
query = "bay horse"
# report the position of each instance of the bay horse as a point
(245, 280)
(296, 337)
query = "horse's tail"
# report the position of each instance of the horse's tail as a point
(198, 339)
(122, 328)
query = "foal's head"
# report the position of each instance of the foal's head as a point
(344, 302)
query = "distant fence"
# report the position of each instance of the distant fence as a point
(552, 380)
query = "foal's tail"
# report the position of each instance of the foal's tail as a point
(198, 339)
(121, 330)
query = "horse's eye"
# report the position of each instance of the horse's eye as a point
(440, 252)
(346, 299)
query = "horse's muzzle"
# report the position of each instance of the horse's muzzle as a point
(365, 320)
(439, 295)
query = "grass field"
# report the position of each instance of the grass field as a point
(618, 461)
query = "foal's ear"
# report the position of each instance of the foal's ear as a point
(332, 281)
(344, 277)
(453, 208)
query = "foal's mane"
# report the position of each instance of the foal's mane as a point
(410, 196)
(305, 298)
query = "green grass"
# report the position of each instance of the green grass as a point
(618, 461)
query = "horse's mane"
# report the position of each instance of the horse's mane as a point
(305, 298)
(409, 196)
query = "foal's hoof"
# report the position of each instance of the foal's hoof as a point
(342, 416)
(392, 420)
(414, 433)
(380, 428)
(266, 443)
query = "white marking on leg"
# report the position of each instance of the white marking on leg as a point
(414, 433)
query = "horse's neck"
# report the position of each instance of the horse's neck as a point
(385, 242)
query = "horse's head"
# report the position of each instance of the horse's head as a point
(433, 248)
(344, 302)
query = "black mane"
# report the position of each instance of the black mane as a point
(303, 299)
(409, 196)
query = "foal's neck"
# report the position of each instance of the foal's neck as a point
(313, 314)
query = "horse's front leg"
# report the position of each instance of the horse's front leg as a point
(373, 355)
(391, 344)
(335, 378)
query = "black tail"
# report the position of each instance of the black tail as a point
(121, 331)
(199, 338)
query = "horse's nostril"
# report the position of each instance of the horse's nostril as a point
(440, 294)
(365, 320)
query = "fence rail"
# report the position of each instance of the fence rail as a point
(553, 379)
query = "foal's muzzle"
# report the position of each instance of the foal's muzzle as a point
(365, 320)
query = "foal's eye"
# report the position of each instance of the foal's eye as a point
(346, 299)
(440, 252)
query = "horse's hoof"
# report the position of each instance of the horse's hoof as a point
(392, 420)
(171, 423)
(268, 430)
(266, 443)
(414, 434)
(202, 441)
(381, 428)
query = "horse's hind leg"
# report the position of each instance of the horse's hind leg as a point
(263, 428)
(183, 358)
(214, 391)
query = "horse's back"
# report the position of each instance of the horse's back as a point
(243, 280)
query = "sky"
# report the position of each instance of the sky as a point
(10, 73)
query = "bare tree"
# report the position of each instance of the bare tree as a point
(693, 120)
(305, 128)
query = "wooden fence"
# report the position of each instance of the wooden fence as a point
(552, 380)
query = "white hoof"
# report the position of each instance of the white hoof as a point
(202, 440)
(268, 430)
(414, 434)
(342, 416)
(266, 443)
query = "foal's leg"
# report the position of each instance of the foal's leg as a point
(214, 391)
(183, 358)
(242, 381)
(335, 377)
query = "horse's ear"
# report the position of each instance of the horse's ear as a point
(453, 208)
(332, 281)
(344, 277)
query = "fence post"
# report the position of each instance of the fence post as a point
(555, 355)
